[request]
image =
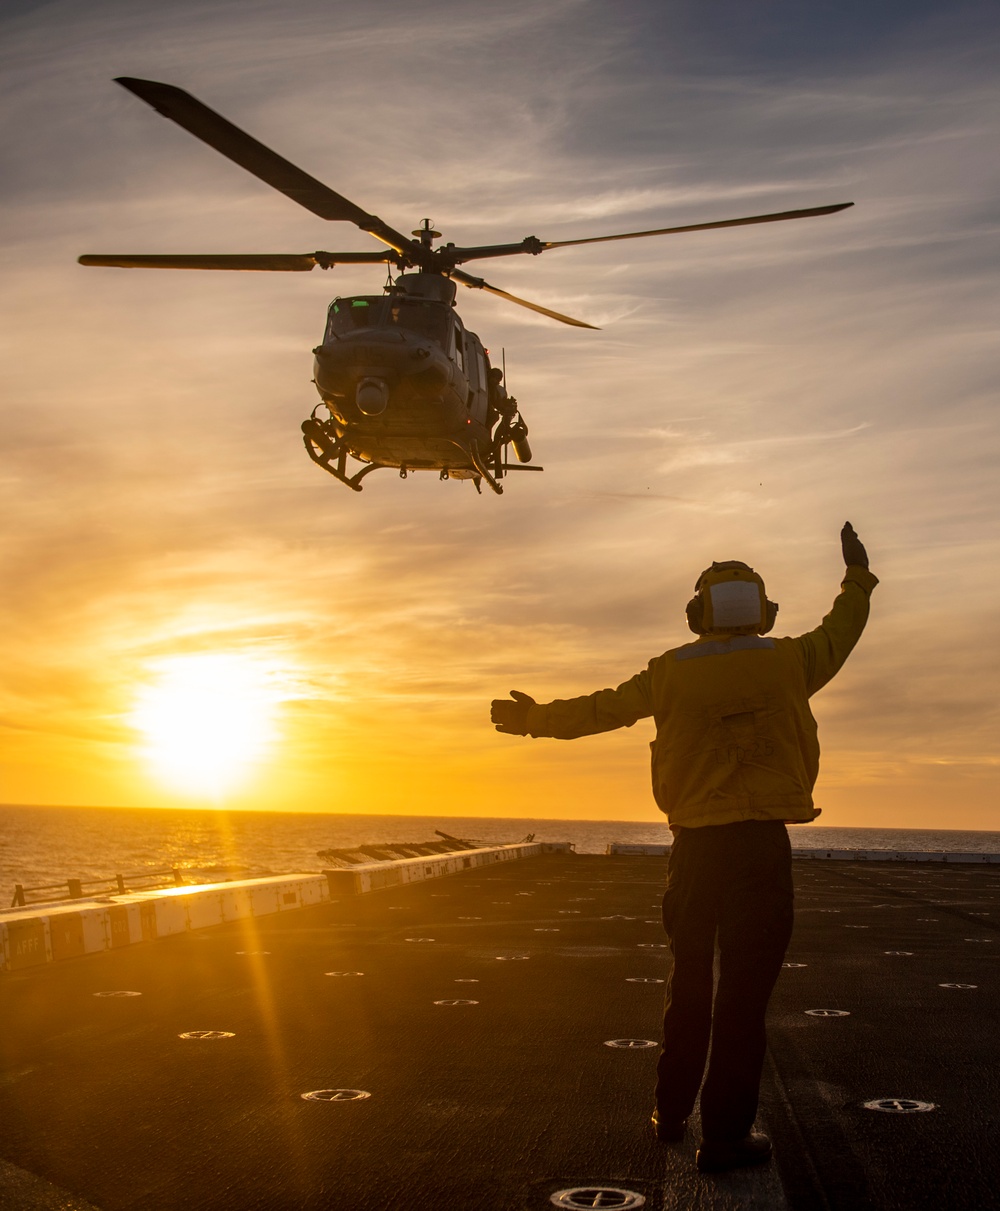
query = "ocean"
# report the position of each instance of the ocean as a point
(48, 845)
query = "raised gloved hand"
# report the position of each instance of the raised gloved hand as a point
(854, 551)
(512, 717)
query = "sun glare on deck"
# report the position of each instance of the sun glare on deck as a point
(207, 720)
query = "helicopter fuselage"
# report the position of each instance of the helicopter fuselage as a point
(407, 385)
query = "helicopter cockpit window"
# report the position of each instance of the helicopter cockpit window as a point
(416, 315)
(347, 315)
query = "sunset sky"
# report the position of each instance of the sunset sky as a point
(168, 551)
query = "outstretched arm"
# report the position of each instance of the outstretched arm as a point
(827, 647)
(567, 718)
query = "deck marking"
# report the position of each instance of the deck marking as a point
(418, 939)
(794, 964)
(643, 980)
(899, 1105)
(466, 981)
(335, 1095)
(586, 1197)
(343, 973)
(828, 1013)
(117, 994)
(631, 1044)
(958, 986)
(897, 952)
(505, 958)
(207, 1034)
(456, 1001)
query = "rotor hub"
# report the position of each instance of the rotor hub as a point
(426, 233)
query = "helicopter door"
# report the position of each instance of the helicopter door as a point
(460, 348)
(476, 373)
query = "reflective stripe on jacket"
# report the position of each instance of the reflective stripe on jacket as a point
(735, 738)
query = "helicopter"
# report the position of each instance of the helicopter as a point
(402, 382)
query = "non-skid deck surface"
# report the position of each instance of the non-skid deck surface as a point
(475, 1013)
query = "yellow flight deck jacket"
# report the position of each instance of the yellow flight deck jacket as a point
(735, 738)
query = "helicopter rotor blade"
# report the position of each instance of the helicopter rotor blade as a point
(236, 145)
(288, 262)
(478, 284)
(532, 245)
(746, 222)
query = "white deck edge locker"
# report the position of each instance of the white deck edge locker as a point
(44, 933)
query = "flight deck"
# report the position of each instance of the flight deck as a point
(488, 1041)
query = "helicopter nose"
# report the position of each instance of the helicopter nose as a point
(372, 396)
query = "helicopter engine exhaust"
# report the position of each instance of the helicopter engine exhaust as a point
(519, 440)
(372, 396)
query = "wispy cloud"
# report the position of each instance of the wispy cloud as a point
(751, 388)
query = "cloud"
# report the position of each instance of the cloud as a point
(749, 390)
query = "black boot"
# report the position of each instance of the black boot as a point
(668, 1132)
(716, 1156)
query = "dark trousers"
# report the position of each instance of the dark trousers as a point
(731, 882)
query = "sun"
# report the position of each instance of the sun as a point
(207, 720)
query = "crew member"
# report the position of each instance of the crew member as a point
(735, 758)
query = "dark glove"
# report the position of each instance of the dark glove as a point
(511, 717)
(854, 551)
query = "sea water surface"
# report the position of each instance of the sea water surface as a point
(49, 845)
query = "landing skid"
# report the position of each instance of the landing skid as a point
(480, 464)
(331, 453)
(323, 451)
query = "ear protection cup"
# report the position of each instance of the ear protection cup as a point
(770, 616)
(695, 611)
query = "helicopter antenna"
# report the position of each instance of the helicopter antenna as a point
(503, 371)
(426, 234)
